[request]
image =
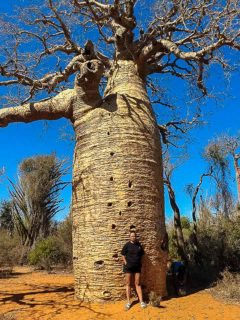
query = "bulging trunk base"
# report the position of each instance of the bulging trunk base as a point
(117, 187)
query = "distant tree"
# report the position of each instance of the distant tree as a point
(35, 197)
(168, 170)
(217, 152)
(230, 146)
(193, 192)
(6, 218)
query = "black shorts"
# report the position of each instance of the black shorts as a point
(131, 269)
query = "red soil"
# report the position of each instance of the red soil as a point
(30, 295)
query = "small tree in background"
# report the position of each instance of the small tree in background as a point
(35, 197)
(230, 146)
(6, 218)
(217, 152)
(178, 233)
(193, 192)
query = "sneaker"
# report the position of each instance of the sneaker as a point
(127, 306)
(143, 305)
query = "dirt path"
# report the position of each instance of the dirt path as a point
(39, 296)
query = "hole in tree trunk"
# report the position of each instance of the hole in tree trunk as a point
(129, 203)
(90, 66)
(111, 178)
(130, 184)
(111, 153)
(99, 264)
(115, 257)
(106, 294)
(109, 204)
(113, 226)
(108, 133)
(120, 213)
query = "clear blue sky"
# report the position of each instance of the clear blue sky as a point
(18, 141)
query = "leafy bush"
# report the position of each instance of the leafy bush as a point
(218, 240)
(187, 231)
(46, 253)
(54, 250)
(220, 243)
(10, 250)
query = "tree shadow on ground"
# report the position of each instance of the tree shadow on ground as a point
(192, 286)
(10, 274)
(25, 300)
(20, 298)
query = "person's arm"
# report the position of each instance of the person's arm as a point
(124, 253)
(124, 260)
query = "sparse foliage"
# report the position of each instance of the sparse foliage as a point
(227, 287)
(217, 152)
(35, 198)
(10, 250)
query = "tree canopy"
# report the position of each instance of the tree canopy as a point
(180, 38)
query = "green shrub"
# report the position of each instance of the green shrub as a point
(187, 231)
(220, 243)
(185, 222)
(46, 253)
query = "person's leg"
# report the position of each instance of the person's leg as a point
(138, 286)
(128, 286)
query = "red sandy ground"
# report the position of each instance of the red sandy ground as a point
(30, 295)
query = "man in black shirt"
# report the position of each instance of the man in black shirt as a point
(132, 253)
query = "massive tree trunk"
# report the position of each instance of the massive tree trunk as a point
(117, 186)
(117, 176)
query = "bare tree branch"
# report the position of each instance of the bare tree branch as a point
(51, 109)
(182, 125)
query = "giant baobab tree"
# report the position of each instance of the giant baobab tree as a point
(117, 168)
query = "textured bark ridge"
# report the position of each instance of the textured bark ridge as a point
(117, 186)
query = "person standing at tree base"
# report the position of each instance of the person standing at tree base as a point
(132, 253)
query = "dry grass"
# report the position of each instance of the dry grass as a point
(7, 316)
(154, 299)
(228, 288)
